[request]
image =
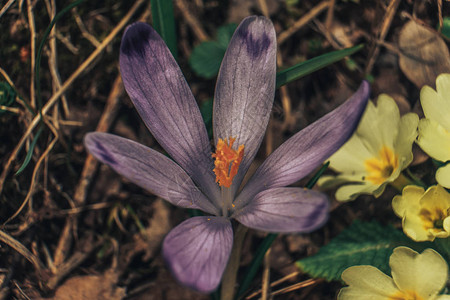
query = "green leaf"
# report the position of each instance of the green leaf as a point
(206, 109)
(312, 65)
(30, 151)
(164, 23)
(7, 94)
(206, 58)
(224, 34)
(446, 27)
(363, 243)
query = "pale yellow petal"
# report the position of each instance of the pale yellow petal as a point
(425, 273)
(406, 136)
(443, 90)
(352, 191)
(350, 158)
(434, 139)
(446, 224)
(388, 119)
(436, 105)
(368, 128)
(443, 176)
(443, 297)
(408, 201)
(366, 281)
(414, 228)
(436, 197)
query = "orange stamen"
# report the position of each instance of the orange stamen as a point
(227, 161)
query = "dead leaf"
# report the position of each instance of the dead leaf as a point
(424, 55)
(91, 287)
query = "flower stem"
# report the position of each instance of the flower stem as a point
(229, 277)
(401, 182)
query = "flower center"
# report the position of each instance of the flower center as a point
(433, 220)
(227, 161)
(405, 295)
(381, 168)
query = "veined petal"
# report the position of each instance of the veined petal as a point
(197, 251)
(434, 139)
(436, 104)
(149, 169)
(307, 149)
(366, 282)
(285, 210)
(443, 176)
(245, 88)
(165, 103)
(424, 273)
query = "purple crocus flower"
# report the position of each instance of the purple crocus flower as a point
(197, 250)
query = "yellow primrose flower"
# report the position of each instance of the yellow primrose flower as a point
(414, 277)
(434, 130)
(425, 215)
(377, 152)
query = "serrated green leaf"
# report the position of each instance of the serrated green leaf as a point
(206, 58)
(313, 64)
(363, 243)
(164, 23)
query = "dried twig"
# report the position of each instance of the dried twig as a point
(302, 21)
(265, 286)
(52, 58)
(22, 250)
(192, 20)
(383, 30)
(83, 29)
(6, 7)
(32, 27)
(66, 86)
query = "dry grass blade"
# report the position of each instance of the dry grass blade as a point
(302, 21)
(32, 26)
(22, 250)
(384, 29)
(35, 172)
(55, 97)
(6, 7)
(274, 284)
(192, 20)
(296, 286)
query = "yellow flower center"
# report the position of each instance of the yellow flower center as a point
(433, 219)
(227, 161)
(405, 295)
(381, 168)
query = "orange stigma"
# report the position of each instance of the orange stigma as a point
(227, 161)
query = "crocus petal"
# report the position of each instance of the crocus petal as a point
(366, 282)
(165, 103)
(285, 210)
(149, 169)
(245, 88)
(424, 273)
(197, 251)
(307, 149)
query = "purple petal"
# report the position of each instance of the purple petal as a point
(149, 169)
(285, 210)
(309, 148)
(165, 103)
(197, 251)
(245, 88)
